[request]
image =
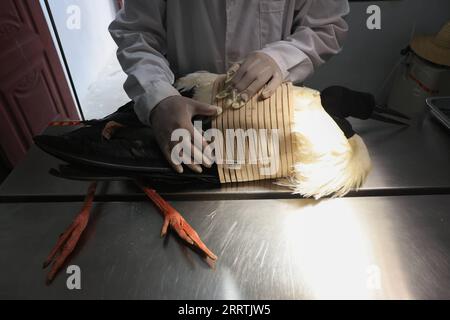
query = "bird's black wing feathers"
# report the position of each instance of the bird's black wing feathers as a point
(131, 150)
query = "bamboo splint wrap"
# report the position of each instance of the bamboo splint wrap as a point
(276, 112)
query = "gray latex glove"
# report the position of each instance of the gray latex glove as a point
(177, 112)
(257, 71)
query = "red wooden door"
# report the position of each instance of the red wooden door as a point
(33, 88)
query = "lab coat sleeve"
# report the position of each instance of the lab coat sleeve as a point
(139, 31)
(318, 32)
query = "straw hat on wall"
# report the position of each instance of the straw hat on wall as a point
(434, 48)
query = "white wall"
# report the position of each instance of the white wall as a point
(366, 61)
(88, 48)
(370, 55)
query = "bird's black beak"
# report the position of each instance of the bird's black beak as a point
(340, 102)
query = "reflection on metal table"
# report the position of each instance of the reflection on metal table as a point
(390, 247)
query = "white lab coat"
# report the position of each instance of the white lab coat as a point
(160, 40)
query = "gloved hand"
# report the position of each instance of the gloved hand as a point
(257, 70)
(177, 112)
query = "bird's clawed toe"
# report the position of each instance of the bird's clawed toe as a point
(69, 239)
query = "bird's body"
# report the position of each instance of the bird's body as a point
(328, 159)
(327, 162)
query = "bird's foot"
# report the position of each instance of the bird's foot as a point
(176, 221)
(69, 239)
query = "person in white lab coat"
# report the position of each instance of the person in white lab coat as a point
(271, 40)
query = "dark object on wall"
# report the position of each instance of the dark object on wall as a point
(4, 172)
(5, 168)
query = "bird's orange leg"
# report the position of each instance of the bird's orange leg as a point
(69, 239)
(174, 219)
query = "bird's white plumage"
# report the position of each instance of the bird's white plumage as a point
(326, 162)
(203, 83)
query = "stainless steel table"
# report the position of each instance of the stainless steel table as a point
(391, 240)
(390, 247)
(414, 160)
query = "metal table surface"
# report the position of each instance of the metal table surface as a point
(389, 247)
(393, 244)
(413, 160)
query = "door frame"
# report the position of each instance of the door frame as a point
(65, 64)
